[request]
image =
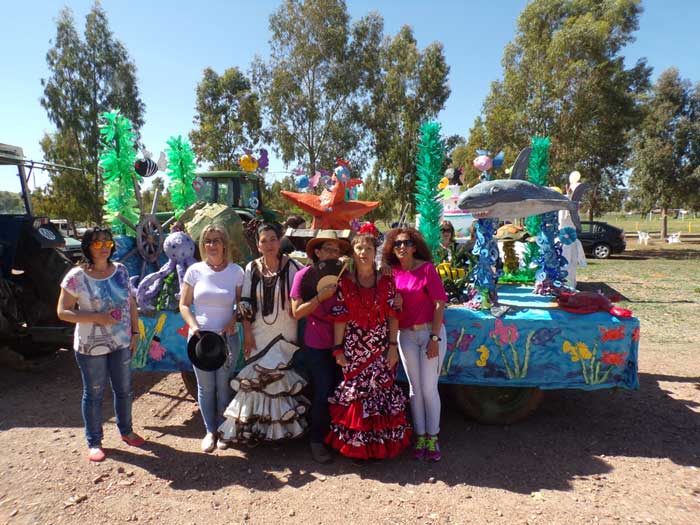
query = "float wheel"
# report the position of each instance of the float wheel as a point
(496, 405)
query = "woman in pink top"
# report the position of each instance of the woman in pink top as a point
(422, 338)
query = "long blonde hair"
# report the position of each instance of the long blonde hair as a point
(221, 230)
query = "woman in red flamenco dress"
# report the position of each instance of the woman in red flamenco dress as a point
(368, 410)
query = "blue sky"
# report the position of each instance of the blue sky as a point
(172, 42)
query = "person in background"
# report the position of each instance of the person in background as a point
(422, 338)
(448, 246)
(288, 245)
(213, 286)
(368, 409)
(106, 335)
(317, 307)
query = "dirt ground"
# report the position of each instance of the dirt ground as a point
(583, 457)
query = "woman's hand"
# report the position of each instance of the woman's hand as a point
(104, 318)
(433, 349)
(398, 302)
(326, 292)
(392, 356)
(341, 361)
(231, 327)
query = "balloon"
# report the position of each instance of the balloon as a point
(263, 161)
(313, 181)
(248, 163)
(343, 173)
(303, 182)
(574, 177)
(444, 182)
(197, 184)
(483, 163)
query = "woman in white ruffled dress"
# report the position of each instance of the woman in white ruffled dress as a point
(268, 405)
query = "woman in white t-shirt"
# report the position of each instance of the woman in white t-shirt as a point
(213, 287)
(97, 296)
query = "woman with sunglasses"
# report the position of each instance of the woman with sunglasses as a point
(422, 339)
(213, 286)
(448, 246)
(106, 335)
(317, 307)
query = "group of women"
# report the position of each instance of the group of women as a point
(355, 329)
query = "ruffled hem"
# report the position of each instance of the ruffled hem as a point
(238, 432)
(352, 417)
(373, 450)
(255, 406)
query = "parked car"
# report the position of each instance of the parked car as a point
(601, 239)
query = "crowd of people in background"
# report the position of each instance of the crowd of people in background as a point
(377, 305)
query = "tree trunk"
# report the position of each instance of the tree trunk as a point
(664, 223)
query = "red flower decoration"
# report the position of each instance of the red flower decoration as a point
(504, 334)
(612, 358)
(635, 334)
(613, 334)
(370, 228)
(182, 331)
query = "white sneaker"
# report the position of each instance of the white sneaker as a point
(209, 442)
(221, 444)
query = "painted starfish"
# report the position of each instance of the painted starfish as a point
(330, 210)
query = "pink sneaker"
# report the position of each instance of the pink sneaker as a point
(419, 448)
(432, 449)
(95, 454)
(133, 440)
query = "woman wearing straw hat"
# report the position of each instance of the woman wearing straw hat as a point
(316, 305)
(213, 286)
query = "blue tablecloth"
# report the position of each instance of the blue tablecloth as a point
(538, 345)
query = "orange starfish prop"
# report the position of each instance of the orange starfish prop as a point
(330, 210)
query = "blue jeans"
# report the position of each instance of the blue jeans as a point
(325, 376)
(96, 371)
(213, 389)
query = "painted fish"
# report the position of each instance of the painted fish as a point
(146, 167)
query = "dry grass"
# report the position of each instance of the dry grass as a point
(660, 285)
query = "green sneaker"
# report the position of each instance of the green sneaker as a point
(432, 449)
(419, 449)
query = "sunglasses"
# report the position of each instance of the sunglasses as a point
(407, 243)
(100, 244)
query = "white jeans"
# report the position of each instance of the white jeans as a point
(423, 374)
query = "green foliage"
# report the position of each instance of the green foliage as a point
(227, 118)
(273, 200)
(147, 196)
(117, 162)
(87, 77)
(537, 173)
(666, 148)
(411, 89)
(564, 76)
(181, 168)
(316, 80)
(431, 154)
(11, 202)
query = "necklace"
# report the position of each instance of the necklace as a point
(268, 297)
(368, 306)
(216, 267)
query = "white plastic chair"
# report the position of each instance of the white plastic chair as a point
(674, 238)
(643, 238)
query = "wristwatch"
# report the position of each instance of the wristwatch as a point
(434, 337)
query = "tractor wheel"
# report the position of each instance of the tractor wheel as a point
(496, 405)
(190, 381)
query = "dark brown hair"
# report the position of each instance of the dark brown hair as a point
(422, 251)
(293, 221)
(91, 234)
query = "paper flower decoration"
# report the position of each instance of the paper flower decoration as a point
(567, 235)
(302, 182)
(483, 163)
(247, 162)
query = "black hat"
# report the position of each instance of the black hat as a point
(207, 351)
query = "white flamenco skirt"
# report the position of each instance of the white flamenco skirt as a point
(268, 405)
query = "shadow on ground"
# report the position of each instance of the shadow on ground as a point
(571, 435)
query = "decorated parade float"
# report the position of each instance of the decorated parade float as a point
(514, 328)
